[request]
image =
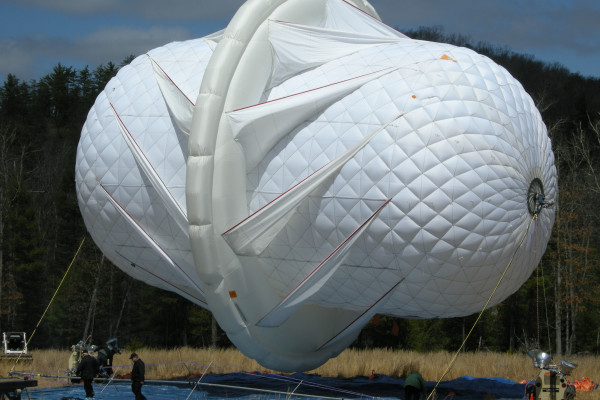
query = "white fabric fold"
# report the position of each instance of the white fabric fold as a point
(214, 38)
(343, 16)
(258, 128)
(173, 207)
(253, 235)
(364, 317)
(163, 255)
(317, 278)
(180, 107)
(298, 48)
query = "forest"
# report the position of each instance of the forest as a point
(41, 232)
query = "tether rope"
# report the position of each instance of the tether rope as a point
(225, 368)
(537, 293)
(199, 379)
(49, 304)
(451, 364)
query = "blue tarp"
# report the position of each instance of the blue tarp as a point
(382, 387)
(499, 387)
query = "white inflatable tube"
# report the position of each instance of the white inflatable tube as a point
(236, 292)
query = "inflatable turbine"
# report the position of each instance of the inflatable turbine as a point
(309, 167)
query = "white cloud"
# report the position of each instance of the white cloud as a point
(113, 44)
(154, 10)
(555, 30)
(543, 28)
(24, 55)
(70, 6)
(16, 59)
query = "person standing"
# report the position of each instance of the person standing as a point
(113, 348)
(137, 376)
(88, 370)
(105, 357)
(103, 363)
(414, 386)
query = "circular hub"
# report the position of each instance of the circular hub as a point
(535, 197)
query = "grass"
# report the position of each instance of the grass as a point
(187, 361)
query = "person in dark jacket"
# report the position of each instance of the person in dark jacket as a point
(414, 386)
(105, 357)
(137, 376)
(88, 370)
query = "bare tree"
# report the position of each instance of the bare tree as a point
(116, 330)
(6, 137)
(89, 325)
(580, 186)
(583, 150)
(9, 166)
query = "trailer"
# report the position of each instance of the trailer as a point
(14, 347)
(12, 388)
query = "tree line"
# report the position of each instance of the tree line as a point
(41, 230)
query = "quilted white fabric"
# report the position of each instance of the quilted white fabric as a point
(119, 185)
(310, 167)
(457, 161)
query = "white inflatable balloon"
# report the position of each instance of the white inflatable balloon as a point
(309, 167)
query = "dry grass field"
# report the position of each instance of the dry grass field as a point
(183, 362)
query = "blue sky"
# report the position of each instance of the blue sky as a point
(35, 35)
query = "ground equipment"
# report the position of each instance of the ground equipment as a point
(552, 382)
